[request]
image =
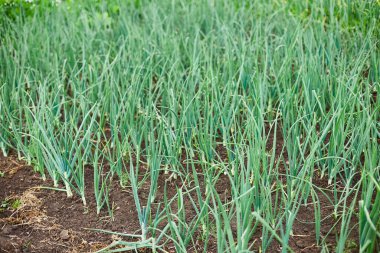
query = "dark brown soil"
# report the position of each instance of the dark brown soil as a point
(35, 219)
(48, 221)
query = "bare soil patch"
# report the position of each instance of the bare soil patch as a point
(35, 219)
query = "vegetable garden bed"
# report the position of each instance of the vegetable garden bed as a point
(190, 126)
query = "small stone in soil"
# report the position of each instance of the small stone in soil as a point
(64, 235)
(7, 230)
(301, 243)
